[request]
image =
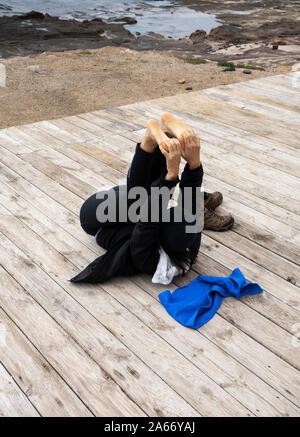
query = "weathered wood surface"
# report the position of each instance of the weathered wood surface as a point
(112, 349)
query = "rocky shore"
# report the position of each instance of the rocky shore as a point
(270, 34)
(60, 67)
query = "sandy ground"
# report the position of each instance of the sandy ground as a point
(53, 85)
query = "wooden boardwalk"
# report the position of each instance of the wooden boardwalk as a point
(112, 350)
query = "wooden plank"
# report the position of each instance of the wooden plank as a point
(83, 134)
(200, 104)
(212, 183)
(46, 390)
(13, 402)
(81, 153)
(233, 387)
(38, 179)
(200, 122)
(204, 395)
(113, 328)
(263, 257)
(270, 281)
(51, 208)
(12, 145)
(117, 362)
(252, 339)
(225, 94)
(18, 136)
(27, 215)
(282, 158)
(119, 114)
(250, 93)
(87, 379)
(276, 98)
(93, 179)
(266, 304)
(233, 341)
(278, 90)
(111, 125)
(53, 130)
(253, 110)
(56, 173)
(193, 344)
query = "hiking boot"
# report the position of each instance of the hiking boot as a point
(215, 222)
(213, 200)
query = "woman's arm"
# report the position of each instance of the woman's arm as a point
(192, 175)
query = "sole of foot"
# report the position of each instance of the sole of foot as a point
(154, 137)
(176, 128)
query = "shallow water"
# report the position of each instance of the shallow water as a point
(164, 17)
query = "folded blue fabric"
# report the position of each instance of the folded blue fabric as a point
(196, 303)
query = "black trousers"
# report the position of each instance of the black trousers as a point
(145, 168)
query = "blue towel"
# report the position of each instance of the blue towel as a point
(196, 303)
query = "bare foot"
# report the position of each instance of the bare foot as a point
(154, 137)
(175, 128)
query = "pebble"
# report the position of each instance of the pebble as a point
(247, 71)
(229, 69)
(181, 81)
(189, 88)
(34, 68)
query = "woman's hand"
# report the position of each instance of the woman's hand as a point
(173, 158)
(191, 151)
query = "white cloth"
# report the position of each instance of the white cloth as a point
(165, 270)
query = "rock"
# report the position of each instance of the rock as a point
(127, 20)
(189, 88)
(31, 15)
(34, 68)
(278, 42)
(275, 47)
(247, 71)
(278, 29)
(155, 35)
(229, 69)
(227, 33)
(95, 21)
(181, 81)
(198, 35)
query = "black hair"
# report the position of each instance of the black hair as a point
(184, 260)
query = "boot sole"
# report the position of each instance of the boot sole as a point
(225, 228)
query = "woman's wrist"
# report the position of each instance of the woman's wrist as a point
(171, 176)
(194, 164)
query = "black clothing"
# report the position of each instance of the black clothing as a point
(133, 247)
